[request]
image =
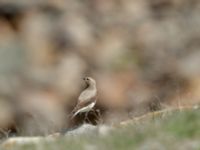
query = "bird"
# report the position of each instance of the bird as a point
(87, 98)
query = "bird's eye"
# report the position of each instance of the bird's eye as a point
(87, 79)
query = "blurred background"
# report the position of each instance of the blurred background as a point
(143, 54)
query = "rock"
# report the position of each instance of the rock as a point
(11, 142)
(89, 129)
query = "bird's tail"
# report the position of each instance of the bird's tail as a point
(73, 114)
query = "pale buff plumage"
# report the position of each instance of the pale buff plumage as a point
(87, 98)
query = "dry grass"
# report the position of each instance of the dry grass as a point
(177, 128)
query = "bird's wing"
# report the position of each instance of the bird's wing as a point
(84, 103)
(86, 95)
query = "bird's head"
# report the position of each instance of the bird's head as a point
(89, 81)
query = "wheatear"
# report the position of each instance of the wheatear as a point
(87, 99)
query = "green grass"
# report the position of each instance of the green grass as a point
(177, 130)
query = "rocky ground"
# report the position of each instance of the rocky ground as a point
(175, 129)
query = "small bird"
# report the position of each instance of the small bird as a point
(87, 98)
